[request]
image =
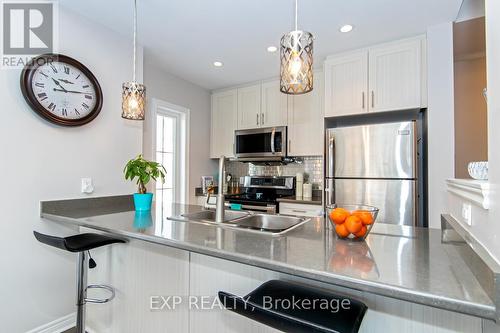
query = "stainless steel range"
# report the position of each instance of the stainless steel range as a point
(261, 193)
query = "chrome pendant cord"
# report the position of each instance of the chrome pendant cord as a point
(135, 40)
(296, 14)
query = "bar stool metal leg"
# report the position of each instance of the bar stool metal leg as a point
(81, 285)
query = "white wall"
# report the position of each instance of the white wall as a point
(441, 146)
(171, 89)
(488, 232)
(40, 161)
(471, 9)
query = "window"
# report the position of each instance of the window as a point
(171, 150)
(166, 155)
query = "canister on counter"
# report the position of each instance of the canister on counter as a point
(299, 178)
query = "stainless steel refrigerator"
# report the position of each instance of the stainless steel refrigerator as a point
(374, 165)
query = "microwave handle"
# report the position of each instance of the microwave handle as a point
(273, 134)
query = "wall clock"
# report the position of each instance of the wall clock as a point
(61, 90)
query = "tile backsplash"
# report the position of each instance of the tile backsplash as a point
(312, 167)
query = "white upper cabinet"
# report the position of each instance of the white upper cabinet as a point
(224, 123)
(395, 76)
(346, 84)
(249, 112)
(274, 105)
(387, 77)
(305, 121)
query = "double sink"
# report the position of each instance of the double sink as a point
(274, 224)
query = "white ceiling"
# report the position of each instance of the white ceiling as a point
(186, 36)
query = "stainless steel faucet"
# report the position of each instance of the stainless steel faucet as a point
(219, 208)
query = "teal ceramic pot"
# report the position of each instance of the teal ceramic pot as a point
(142, 202)
(142, 220)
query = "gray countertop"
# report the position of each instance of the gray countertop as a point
(411, 264)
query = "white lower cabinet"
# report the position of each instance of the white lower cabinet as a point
(143, 272)
(305, 121)
(209, 275)
(138, 271)
(296, 209)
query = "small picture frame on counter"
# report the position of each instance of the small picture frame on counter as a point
(206, 183)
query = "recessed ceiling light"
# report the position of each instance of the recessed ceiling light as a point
(218, 64)
(272, 49)
(346, 28)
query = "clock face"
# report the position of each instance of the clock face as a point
(62, 90)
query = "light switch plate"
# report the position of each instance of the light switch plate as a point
(87, 185)
(467, 213)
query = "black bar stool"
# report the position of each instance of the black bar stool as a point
(82, 243)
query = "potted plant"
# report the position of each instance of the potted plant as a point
(143, 171)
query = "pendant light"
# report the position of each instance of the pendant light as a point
(296, 55)
(133, 93)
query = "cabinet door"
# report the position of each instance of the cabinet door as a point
(395, 76)
(305, 121)
(274, 105)
(249, 107)
(346, 84)
(224, 122)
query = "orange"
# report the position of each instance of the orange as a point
(339, 215)
(361, 233)
(353, 224)
(341, 230)
(365, 216)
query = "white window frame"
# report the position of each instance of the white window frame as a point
(181, 181)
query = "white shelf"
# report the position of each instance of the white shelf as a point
(475, 191)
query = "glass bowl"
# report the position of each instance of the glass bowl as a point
(352, 221)
(478, 170)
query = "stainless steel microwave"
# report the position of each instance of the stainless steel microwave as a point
(261, 144)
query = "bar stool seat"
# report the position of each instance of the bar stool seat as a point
(81, 244)
(77, 243)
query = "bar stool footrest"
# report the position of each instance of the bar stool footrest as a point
(100, 286)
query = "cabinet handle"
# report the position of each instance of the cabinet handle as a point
(373, 99)
(299, 211)
(363, 100)
(262, 118)
(257, 119)
(289, 146)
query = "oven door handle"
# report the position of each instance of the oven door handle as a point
(268, 209)
(273, 134)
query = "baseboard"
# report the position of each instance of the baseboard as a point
(57, 326)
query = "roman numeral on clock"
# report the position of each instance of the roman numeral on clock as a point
(64, 112)
(88, 96)
(85, 86)
(85, 106)
(52, 106)
(39, 84)
(42, 96)
(66, 70)
(53, 68)
(76, 112)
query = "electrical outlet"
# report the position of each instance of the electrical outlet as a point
(87, 185)
(467, 213)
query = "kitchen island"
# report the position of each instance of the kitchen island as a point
(408, 277)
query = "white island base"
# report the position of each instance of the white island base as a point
(143, 272)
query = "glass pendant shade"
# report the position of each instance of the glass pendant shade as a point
(296, 69)
(133, 100)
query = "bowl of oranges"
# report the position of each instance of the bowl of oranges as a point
(352, 222)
